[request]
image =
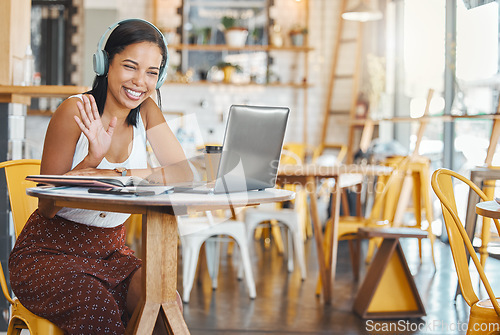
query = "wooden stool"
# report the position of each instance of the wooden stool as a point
(388, 289)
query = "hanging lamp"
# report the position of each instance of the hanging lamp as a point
(362, 12)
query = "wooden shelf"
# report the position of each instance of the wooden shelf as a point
(211, 83)
(23, 94)
(444, 118)
(223, 47)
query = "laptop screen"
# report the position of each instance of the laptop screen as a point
(252, 148)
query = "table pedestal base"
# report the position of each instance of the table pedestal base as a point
(159, 275)
(388, 290)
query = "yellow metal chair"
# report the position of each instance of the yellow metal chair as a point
(486, 312)
(22, 206)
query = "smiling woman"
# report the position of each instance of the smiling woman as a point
(131, 82)
(102, 132)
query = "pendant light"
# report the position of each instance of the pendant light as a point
(362, 12)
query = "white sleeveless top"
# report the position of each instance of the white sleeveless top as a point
(136, 160)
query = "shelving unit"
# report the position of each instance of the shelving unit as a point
(223, 47)
(261, 45)
(214, 83)
(23, 94)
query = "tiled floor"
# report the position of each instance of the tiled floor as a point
(287, 305)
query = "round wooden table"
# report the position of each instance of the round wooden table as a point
(159, 239)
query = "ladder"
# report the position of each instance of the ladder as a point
(337, 78)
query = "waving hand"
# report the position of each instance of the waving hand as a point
(91, 125)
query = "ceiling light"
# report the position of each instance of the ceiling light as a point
(362, 12)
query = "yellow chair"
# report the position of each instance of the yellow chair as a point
(379, 217)
(22, 206)
(485, 313)
(418, 169)
(340, 149)
(335, 154)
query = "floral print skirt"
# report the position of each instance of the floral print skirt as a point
(76, 276)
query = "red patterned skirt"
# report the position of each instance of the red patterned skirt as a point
(74, 275)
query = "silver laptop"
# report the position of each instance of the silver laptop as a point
(251, 152)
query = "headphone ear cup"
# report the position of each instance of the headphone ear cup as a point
(161, 77)
(100, 61)
(163, 70)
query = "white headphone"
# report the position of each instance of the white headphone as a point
(100, 58)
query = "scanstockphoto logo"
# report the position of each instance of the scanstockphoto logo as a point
(429, 326)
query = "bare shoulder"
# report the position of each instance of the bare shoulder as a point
(151, 114)
(67, 108)
(61, 138)
(63, 117)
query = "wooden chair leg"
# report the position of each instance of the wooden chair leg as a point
(327, 232)
(277, 237)
(259, 231)
(359, 189)
(345, 202)
(417, 206)
(201, 266)
(230, 248)
(373, 243)
(429, 215)
(354, 253)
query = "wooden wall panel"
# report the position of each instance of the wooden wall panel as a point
(15, 25)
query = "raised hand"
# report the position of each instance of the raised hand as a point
(90, 124)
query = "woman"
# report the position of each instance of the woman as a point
(71, 266)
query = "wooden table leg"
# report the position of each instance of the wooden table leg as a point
(318, 237)
(327, 259)
(334, 234)
(159, 276)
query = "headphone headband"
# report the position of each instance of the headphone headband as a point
(100, 58)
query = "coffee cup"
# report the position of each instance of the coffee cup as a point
(212, 158)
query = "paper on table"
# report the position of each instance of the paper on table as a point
(87, 181)
(120, 191)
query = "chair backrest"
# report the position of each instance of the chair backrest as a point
(293, 153)
(460, 244)
(387, 190)
(21, 204)
(289, 158)
(340, 149)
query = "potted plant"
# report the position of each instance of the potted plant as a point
(297, 35)
(228, 69)
(235, 35)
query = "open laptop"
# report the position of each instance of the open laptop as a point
(251, 152)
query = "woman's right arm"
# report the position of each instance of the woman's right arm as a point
(59, 147)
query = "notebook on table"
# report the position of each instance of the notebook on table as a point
(251, 152)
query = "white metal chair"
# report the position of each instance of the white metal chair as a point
(194, 231)
(287, 217)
